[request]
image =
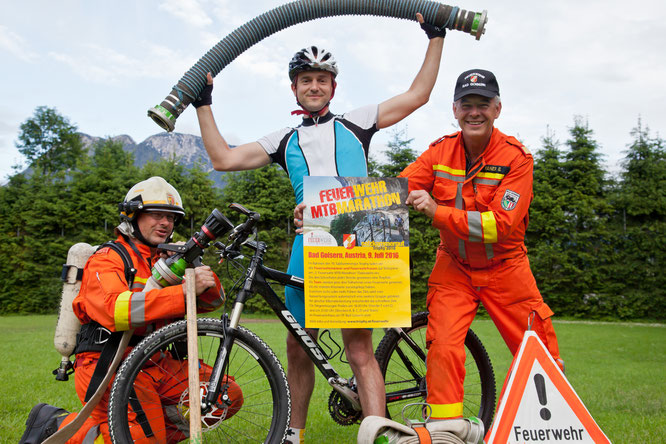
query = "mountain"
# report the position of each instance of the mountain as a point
(187, 148)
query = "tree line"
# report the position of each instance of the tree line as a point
(595, 239)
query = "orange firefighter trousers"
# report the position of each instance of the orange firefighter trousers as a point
(508, 292)
(156, 386)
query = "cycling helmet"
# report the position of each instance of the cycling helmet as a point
(312, 58)
(154, 194)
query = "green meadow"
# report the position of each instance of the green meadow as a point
(617, 369)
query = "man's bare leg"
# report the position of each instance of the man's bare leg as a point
(360, 353)
(300, 375)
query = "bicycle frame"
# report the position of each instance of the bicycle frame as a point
(256, 281)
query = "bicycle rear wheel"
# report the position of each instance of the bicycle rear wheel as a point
(403, 367)
(257, 404)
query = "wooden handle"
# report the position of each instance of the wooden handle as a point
(193, 356)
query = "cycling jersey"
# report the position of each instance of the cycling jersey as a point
(331, 146)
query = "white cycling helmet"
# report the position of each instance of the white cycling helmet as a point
(312, 58)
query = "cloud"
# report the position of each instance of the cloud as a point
(263, 61)
(190, 11)
(16, 45)
(103, 65)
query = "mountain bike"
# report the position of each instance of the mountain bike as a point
(229, 351)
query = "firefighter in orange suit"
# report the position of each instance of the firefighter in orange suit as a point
(476, 185)
(107, 302)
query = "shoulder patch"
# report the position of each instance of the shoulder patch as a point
(510, 199)
(515, 142)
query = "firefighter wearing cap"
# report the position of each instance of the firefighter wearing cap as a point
(109, 301)
(324, 144)
(476, 185)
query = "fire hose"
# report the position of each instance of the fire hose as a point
(217, 58)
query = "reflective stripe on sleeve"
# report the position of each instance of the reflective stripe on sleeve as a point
(121, 311)
(138, 308)
(489, 227)
(482, 227)
(474, 225)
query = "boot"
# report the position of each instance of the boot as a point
(43, 421)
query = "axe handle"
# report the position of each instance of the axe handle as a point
(193, 356)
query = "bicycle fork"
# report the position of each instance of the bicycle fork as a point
(230, 326)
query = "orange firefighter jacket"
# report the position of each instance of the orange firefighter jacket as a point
(482, 212)
(106, 298)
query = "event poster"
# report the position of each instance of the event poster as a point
(356, 252)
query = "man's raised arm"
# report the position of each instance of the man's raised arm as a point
(397, 108)
(243, 157)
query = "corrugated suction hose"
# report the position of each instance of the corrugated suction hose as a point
(216, 59)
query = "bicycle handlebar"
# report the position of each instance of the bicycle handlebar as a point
(240, 233)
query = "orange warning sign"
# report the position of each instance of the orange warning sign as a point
(539, 405)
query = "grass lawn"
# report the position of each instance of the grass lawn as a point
(618, 370)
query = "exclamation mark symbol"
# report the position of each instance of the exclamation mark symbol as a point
(541, 393)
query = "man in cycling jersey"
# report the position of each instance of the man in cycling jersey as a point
(324, 144)
(476, 185)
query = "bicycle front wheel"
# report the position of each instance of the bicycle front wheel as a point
(149, 396)
(402, 362)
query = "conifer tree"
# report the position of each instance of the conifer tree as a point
(399, 154)
(547, 237)
(586, 215)
(640, 225)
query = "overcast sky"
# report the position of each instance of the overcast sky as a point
(103, 64)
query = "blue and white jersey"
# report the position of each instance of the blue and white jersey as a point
(334, 146)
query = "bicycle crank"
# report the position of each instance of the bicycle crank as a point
(342, 411)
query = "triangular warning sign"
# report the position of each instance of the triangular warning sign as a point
(539, 405)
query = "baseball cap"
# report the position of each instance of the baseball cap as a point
(476, 81)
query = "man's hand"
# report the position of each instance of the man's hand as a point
(431, 31)
(205, 279)
(206, 94)
(421, 201)
(166, 253)
(298, 217)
